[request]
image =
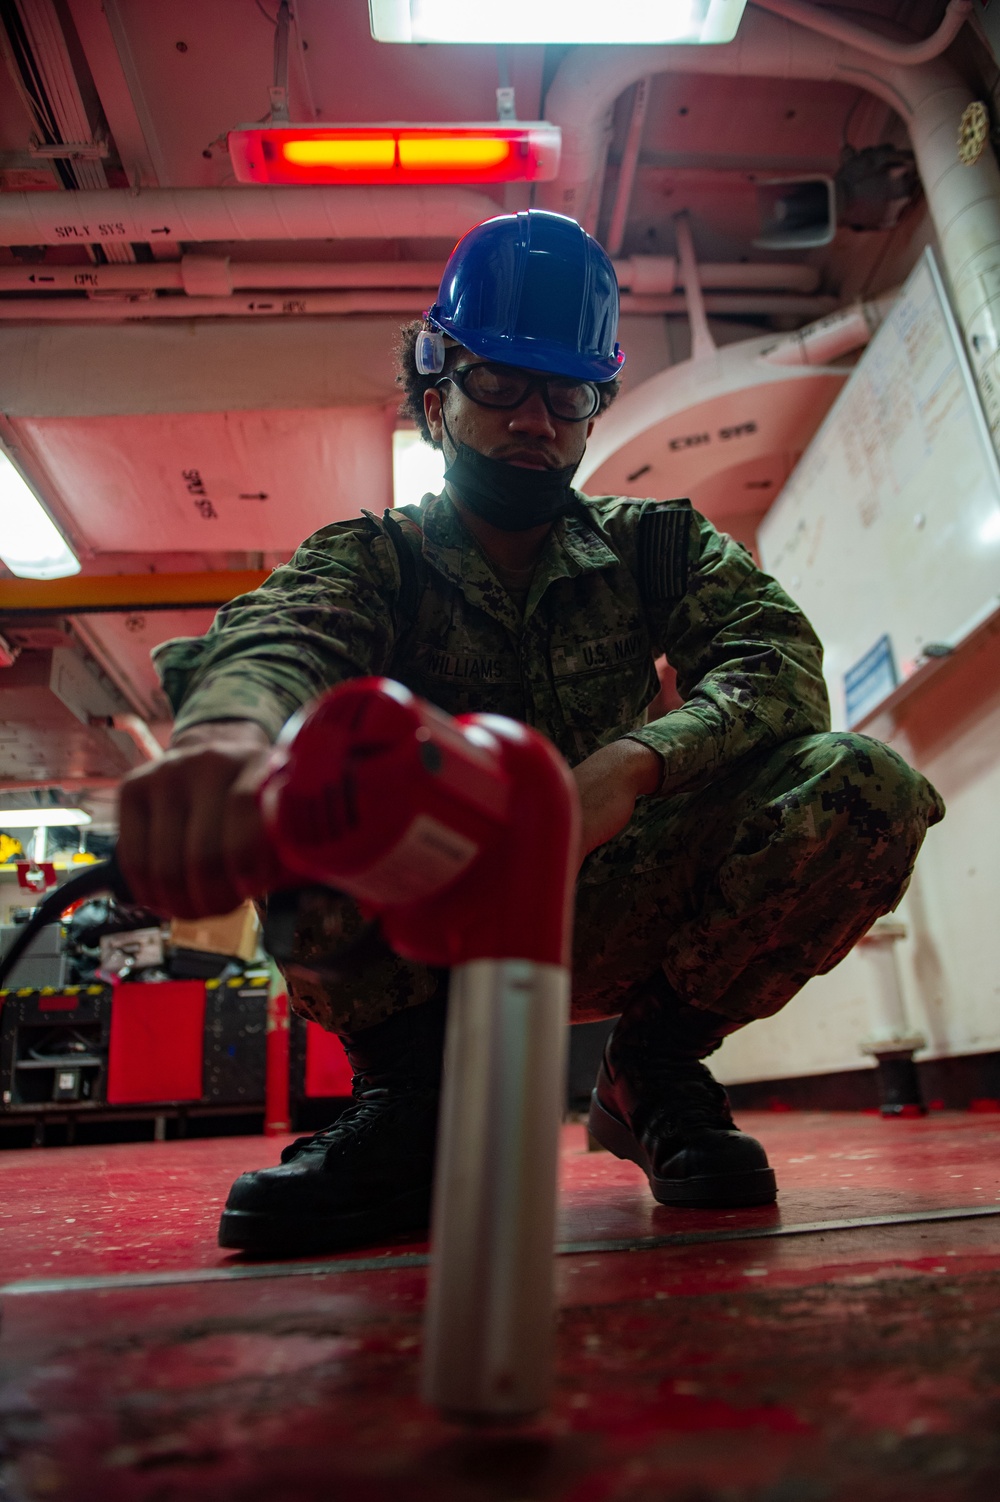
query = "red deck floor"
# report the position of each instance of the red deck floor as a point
(757, 1356)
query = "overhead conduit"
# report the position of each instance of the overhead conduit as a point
(930, 97)
(218, 276)
(297, 305)
(211, 286)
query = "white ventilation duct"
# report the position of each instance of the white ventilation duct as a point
(964, 201)
(727, 428)
(841, 30)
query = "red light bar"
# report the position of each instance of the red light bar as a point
(491, 153)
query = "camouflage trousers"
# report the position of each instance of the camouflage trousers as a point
(738, 893)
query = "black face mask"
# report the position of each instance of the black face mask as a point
(507, 496)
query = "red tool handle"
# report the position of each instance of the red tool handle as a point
(460, 833)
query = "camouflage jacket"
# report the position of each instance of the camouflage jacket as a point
(618, 582)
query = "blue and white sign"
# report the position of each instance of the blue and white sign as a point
(869, 681)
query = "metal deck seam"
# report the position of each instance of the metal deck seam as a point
(28, 1286)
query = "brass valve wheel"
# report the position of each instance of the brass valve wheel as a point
(973, 132)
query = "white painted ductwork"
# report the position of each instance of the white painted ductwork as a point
(726, 430)
(726, 427)
(964, 201)
(839, 30)
(123, 216)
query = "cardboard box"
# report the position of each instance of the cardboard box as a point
(232, 933)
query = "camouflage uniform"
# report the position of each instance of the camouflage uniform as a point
(772, 844)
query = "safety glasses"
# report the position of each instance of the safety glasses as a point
(504, 387)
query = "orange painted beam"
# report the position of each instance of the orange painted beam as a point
(84, 594)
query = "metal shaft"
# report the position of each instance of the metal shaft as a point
(489, 1322)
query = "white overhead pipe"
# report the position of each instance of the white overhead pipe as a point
(218, 276)
(828, 338)
(654, 274)
(891, 1028)
(305, 304)
(123, 216)
(626, 171)
(702, 343)
(242, 305)
(908, 53)
(137, 730)
(964, 201)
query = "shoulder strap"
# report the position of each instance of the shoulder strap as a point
(408, 598)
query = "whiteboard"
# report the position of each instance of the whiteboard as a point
(887, 533)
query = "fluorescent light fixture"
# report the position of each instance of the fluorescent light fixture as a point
(417, 469)
(527, 151)
(541, 22)
(30, 544)
(41, 818)
(989, 532)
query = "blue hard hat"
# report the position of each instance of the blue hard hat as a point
(535, 290)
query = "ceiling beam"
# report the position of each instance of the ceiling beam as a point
(88, 594)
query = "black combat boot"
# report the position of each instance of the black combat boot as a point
(656, 1104)
(368, 1175)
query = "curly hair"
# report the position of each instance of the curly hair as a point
(414, 384)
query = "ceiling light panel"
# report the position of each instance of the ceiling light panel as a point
(483, 153)
(42, 818)
(31, 545)
(545, 22)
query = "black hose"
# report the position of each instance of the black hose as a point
(102, 877)
(279, 925)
